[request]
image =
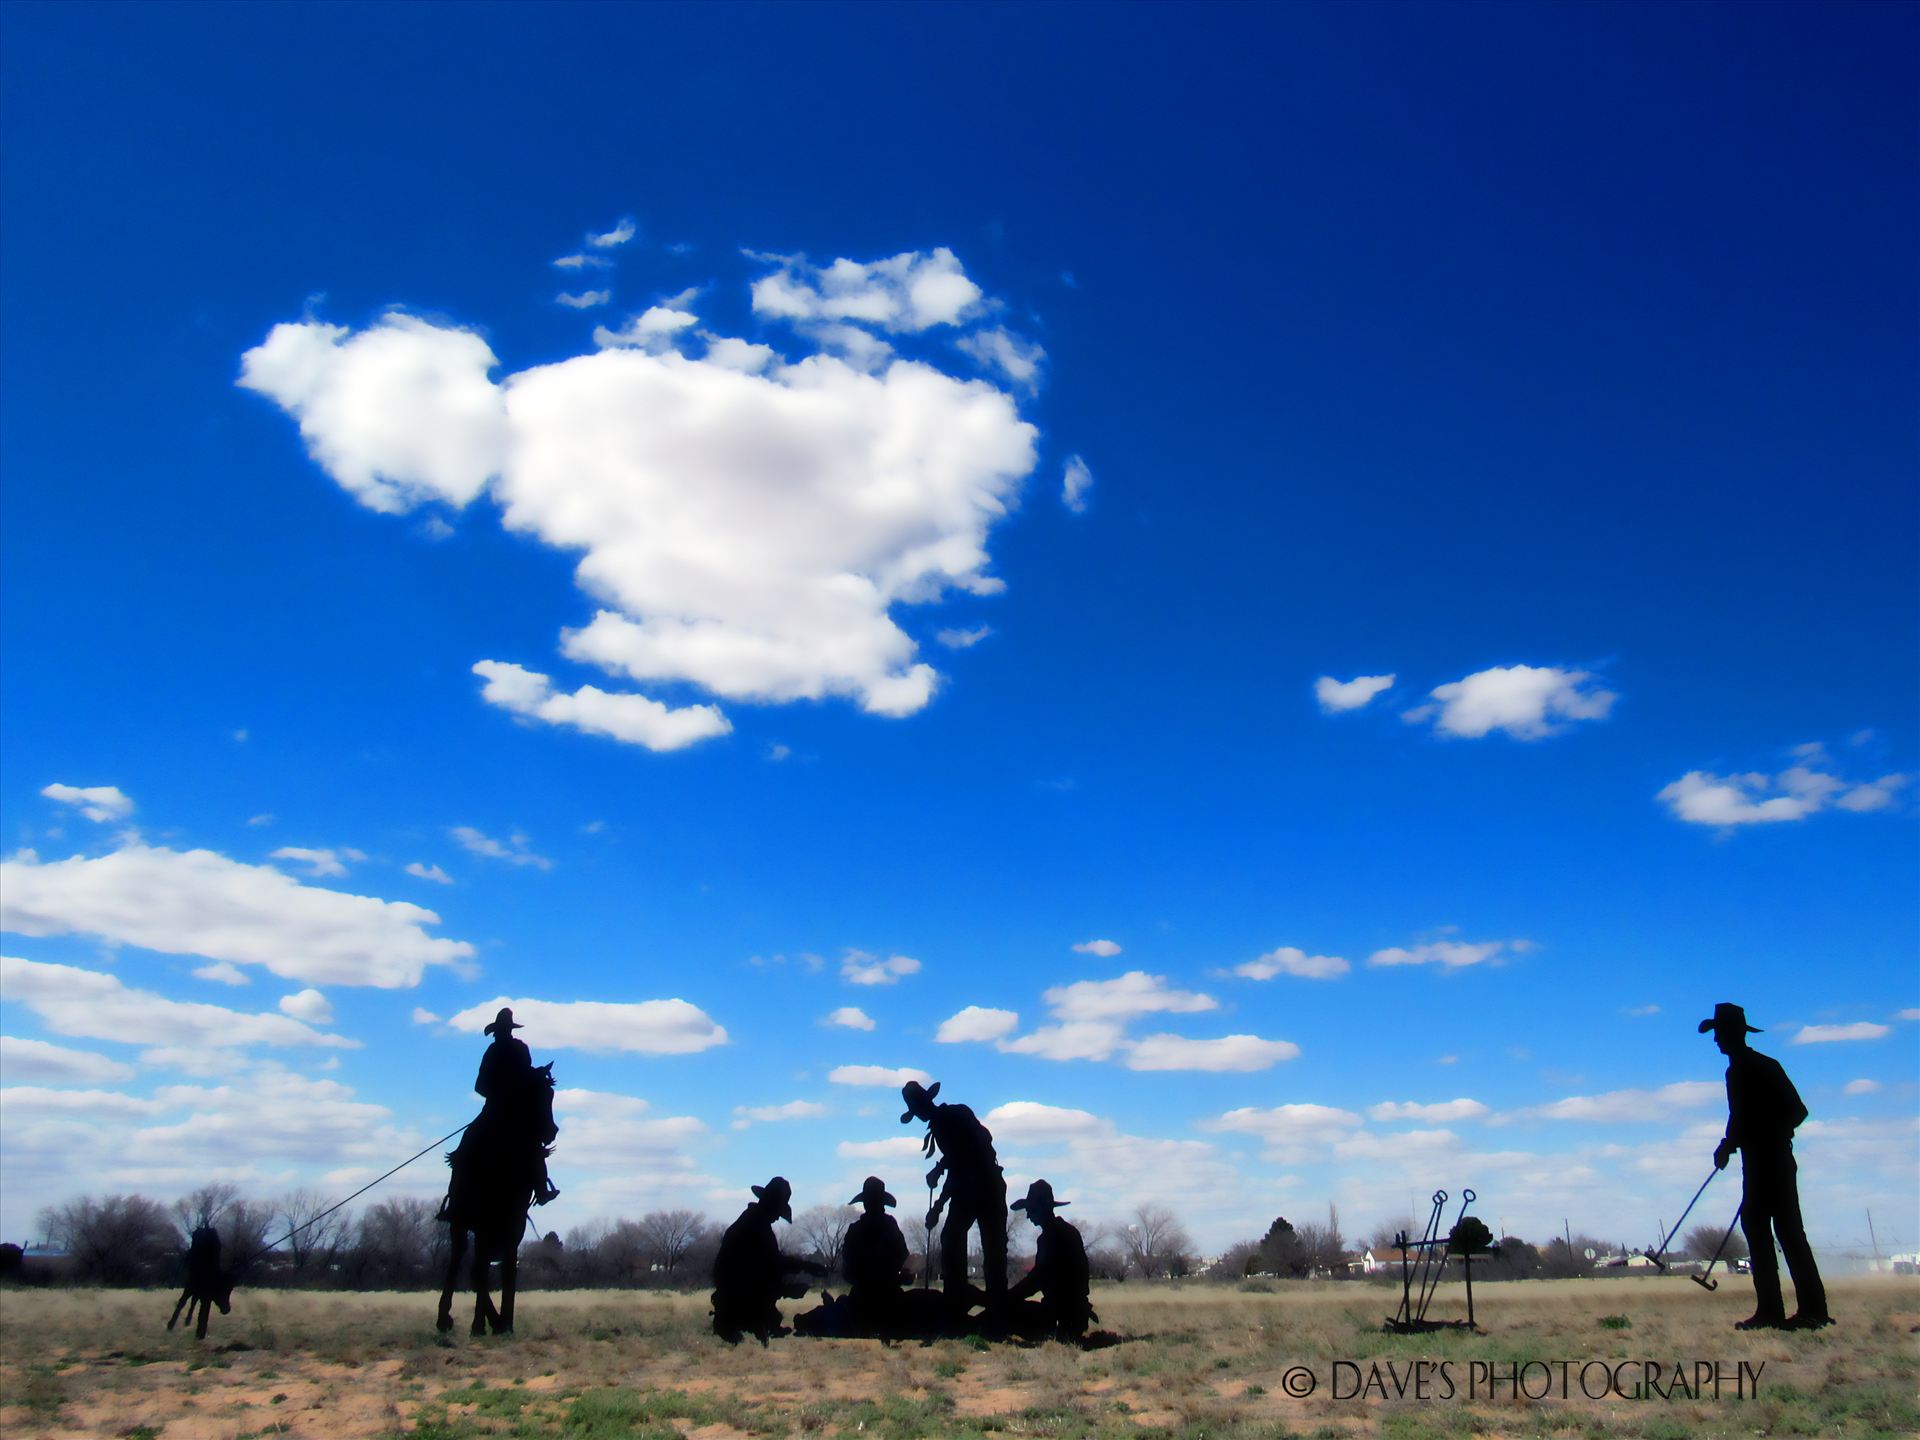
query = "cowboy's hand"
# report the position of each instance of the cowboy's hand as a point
(933, 1175)
(933, 1217)
(1722, 1153)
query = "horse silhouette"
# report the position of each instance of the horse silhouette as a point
(496, 1169)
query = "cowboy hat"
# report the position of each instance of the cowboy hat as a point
(1040, 1197)
(1728, 1017)
(913, 1092)
(778, 1193)
(874, 1189)
(503, 1022)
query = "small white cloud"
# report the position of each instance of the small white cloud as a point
(1528, 702)
(1829, 1034)
(1913, 1014)
(850, 1017)
(583, 300)
(879, 1076)
(1291, 1132)
(857, 967)
(957, 639)
(318, 863)
(976, 1022)
(1860, 1087)
(1289, 960)
(1014, 356)
(1618, 1107)
(513, 850)
(1229, 1052)
(308, 1005)
(90, 1005)
(1131, 994)
(1448, 954)
(1338, 695)
(899, 1147)
(741, 355)
(625, 716)
(909, 292)
(1105, 949)
(424, 1016)
(1445, 1112)
(652, 330)
(37, 1062)
(1075, 483)
(99, 803)
(582, 262)
(203, 904)
(1070, 1040)
(240, 736)
(421, 871)
(646, 1027)
(777, 752)
(263, 819)
(1702, 798)
(222, 972)
(1448, 1060)
(619, 235)
(1641, 1011)
(773, 1114)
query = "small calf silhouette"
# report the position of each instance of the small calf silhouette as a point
(208, 1283)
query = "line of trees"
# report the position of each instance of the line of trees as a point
(398, 1243)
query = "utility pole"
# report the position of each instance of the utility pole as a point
(1875, 1239)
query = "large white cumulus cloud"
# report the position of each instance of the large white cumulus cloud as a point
(744, 529)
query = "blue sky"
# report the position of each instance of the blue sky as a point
(1557, 360)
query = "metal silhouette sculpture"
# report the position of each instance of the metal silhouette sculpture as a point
(878, 1304)
(499, 1174)
(208, 1282)
(751, 1274)
(975, 1194)
(1419, 1284)
(1060, 1276)
(1763, 1111)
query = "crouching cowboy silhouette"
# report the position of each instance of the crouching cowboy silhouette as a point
(208, 1282)
(751, 1275)
(1060, 1275)
(499, 1171)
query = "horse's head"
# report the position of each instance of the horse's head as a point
(543, 1088)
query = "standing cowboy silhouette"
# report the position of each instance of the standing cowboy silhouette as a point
(1763, 1111)
(975, 1193)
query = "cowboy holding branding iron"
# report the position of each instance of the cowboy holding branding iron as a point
(975, 1193)
(1763, 1111)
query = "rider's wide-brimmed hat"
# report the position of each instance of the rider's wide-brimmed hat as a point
(503, 1022)
(1727, 1016)
(1040, 1197)
(778, 1193)
(913, 1092)
(874, 1189)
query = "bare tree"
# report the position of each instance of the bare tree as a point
(1237, 1261)
(822, 1232)
(206, 1206)
(667, 1236)
(316, 1234)
(1106, 1255)
(1156, 1242)
(119, 1240)
(400, 1240)
(1703, 1241)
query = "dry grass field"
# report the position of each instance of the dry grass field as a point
(1196, 1361)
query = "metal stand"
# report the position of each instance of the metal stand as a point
(1417, 1291)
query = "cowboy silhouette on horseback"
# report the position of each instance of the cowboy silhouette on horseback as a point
(499, 1172)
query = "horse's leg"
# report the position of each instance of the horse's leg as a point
(200, 1328)
(456, 1250)
(178, 1306)
(509, 1276)
(483, 1312)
